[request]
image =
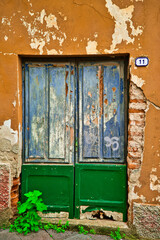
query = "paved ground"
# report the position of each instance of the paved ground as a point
(50, 235)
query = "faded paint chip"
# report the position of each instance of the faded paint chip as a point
(121, 18)
(92, 47)
(52, 52)
(5, 38)
(51, 21)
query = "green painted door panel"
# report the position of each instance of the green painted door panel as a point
(54, 181)
(100, 187)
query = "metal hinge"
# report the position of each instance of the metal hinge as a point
(76, 144)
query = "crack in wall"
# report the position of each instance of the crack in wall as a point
(91, 6)
(155, 105)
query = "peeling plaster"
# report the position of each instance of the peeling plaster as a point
(92, 47)
(51, 21)
(121, 18)
(40, 37)
(154, 181)
(37, 44)
(7, 132)
(138, 81)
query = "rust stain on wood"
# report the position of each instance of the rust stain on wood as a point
(66, 89)
(113, 89)
(106, 101)
(100, 76)
(89, 94)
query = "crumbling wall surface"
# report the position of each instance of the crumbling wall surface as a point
(10, 135)
(80, 27)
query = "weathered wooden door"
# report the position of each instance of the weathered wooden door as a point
(73, 138)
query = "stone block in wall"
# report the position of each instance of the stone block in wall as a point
(4, 186)
(146, 219)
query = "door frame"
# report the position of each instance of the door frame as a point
(73, 199)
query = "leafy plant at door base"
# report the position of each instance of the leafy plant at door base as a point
(29, 220)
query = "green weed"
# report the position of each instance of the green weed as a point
(82, 230)
(117, 235)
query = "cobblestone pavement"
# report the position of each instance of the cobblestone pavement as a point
(50, 235)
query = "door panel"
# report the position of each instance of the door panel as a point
(100, 187)
(49, 94)
(101, 112)
(54, 181)
(57, 115)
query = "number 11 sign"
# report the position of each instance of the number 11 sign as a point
(141, 61)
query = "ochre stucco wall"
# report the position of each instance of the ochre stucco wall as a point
(84, 27)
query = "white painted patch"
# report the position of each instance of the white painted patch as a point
(42, 14)
(138, 81)
(6, 21)
(7, 132)
(14, 103)
(96, 35)
(31, 13)
(5, 38)
(92, 47)
(154, 183)
(37, 44)
(51, 21)
(52, 52)
(54, 37)
(74, 39)
(121, 18)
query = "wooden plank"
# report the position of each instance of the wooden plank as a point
(112, 121)
(90, 112)
(57, 108)
(36, 112)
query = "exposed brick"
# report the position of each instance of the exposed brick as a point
(133, 160)
(15, 188)
(137, 101)
(138, 105)
(135, 154)
(133, 110)
(133, 165)
(14, 201)
(140, 123)
(14, 195)
(137, 116)
(16, 181)
(134, 133)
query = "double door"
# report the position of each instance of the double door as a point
(74, 135)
